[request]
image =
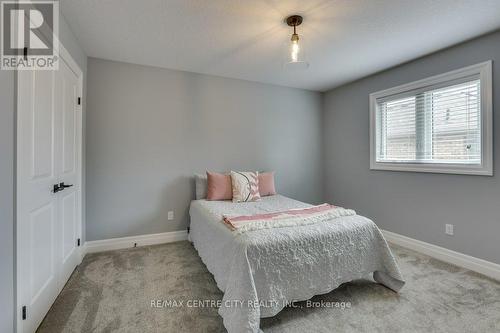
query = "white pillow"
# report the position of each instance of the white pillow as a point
(200, 182)
(245, 186)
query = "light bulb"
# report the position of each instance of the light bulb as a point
(295, 51)
(294, 55)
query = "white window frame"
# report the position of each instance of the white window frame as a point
(484, 70)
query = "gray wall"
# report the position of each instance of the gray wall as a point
(416, 205)
(7, 158)
(150, 129)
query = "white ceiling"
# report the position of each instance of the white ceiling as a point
(344, 39)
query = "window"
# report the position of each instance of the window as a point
(440, 124)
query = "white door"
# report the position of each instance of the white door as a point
(36, 203)
(48, 153)
(69, 167)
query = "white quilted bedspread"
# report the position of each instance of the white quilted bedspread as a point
(261, 271)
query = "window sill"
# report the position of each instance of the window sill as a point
(457, 169)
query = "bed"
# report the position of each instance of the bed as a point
(262, 271)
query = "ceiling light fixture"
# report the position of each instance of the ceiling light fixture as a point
(295, 55)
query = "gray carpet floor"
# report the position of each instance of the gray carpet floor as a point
(112, 292)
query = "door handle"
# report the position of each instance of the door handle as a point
(59, 187)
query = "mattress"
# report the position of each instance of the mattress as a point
(262, 271)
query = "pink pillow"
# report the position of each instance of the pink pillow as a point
(266, 184)
(219, 186)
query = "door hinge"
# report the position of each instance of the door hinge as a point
(79, 101)
(24, 314)
(78, 242)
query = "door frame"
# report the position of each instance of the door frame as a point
(65, 56)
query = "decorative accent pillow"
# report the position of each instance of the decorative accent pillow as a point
(219, 186)
(266, 184)
(245, 186)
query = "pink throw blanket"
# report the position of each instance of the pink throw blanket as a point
(286, 218)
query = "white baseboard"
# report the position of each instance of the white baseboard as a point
(140, 240)
(456, 258)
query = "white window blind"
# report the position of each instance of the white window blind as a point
(439, 124)
(434, 126)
